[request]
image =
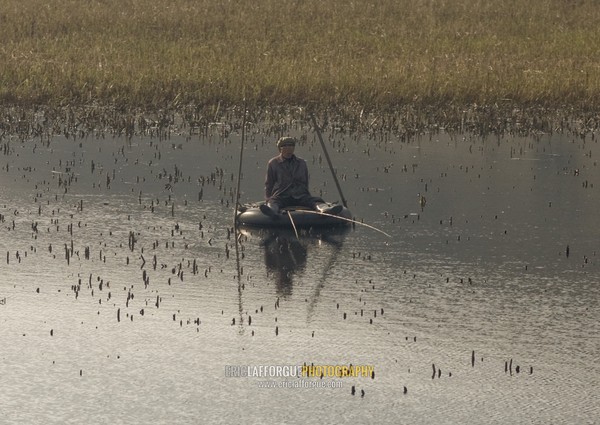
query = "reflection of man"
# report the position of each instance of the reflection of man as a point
(286, 183)
(284, 257)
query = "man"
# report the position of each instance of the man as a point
(286, 183)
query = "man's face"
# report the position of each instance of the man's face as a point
(287, 151)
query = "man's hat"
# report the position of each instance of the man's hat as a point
(286, 141)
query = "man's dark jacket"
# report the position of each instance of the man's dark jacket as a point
(286, 178)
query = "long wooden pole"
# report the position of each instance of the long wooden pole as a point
(335, 179)
(237, 192)
(235, 223)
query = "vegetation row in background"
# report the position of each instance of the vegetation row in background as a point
(378, 54)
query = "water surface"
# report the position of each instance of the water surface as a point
(122, 301)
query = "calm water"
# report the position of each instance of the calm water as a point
(121, 300)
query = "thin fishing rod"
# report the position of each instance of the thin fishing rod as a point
(237, 193)
(335, 179)
(345, 219)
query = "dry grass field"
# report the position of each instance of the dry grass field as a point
(377, 54)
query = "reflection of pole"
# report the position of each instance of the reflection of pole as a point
(239, 277)
(237, 192)
(337, 183)
(321, 282)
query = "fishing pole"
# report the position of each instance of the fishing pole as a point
(345, 219)
(235, 222)
(237, 205)
(335, 179)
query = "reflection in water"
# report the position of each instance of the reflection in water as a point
(286, 255)
(482, 268)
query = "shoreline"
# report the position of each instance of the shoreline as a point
(27, 122)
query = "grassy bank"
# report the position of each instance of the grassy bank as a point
(380, 55)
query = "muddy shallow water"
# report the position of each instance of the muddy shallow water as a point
(121, 300)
